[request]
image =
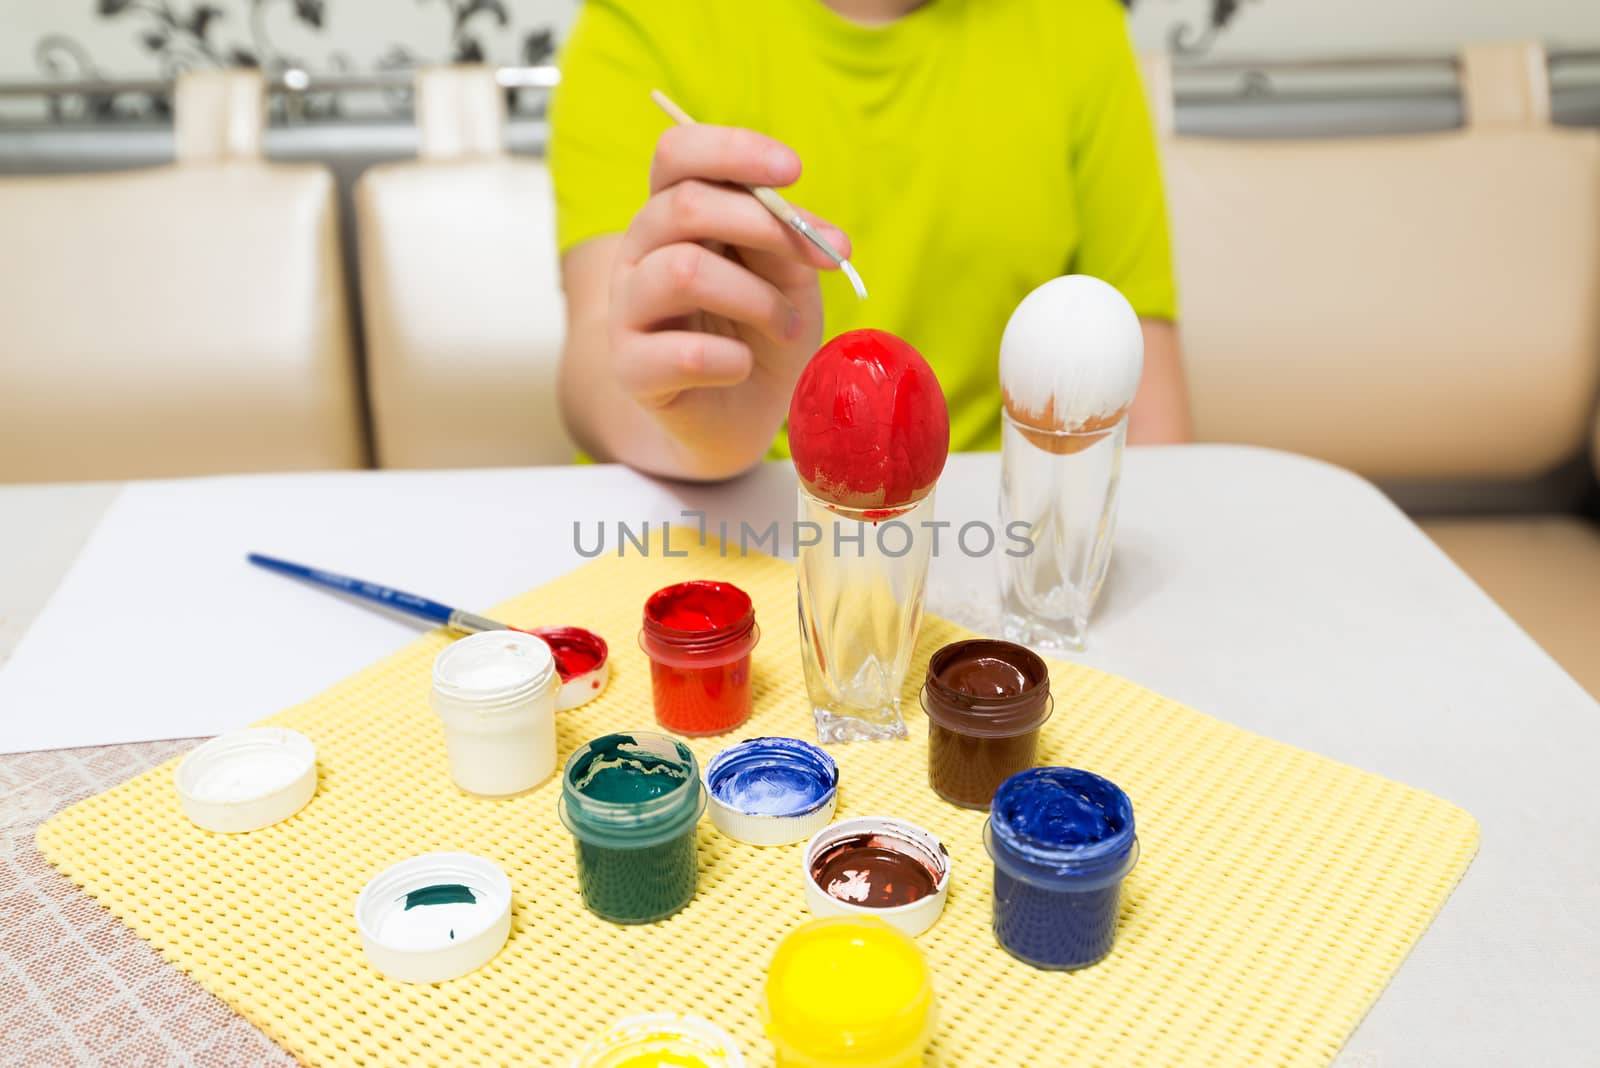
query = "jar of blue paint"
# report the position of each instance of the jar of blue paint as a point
(631, 802)
(1062, 841)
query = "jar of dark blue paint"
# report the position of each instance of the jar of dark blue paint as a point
(1062, 840)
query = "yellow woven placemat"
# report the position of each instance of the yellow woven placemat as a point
(1275, 894)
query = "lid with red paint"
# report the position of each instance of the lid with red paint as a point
(583, 661)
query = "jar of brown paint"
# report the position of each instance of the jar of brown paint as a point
(986, 700)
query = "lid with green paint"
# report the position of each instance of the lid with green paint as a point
(434, 917)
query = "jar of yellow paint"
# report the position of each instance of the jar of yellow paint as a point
(848, 992)
(661, 1040)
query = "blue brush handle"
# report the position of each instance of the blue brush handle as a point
(409, 603)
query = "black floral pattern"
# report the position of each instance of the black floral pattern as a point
(186, 35)
(468, 21)
(189, 34)
(183, 36)
(1185, 38)
(64, 59)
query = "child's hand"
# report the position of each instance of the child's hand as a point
(714, 302)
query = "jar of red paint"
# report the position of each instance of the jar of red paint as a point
(698, 636)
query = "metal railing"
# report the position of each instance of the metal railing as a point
(290, 81)
(295, 80)
(350, 120)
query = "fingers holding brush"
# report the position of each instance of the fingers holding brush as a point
(685, 278)
(721, 154)
(656, 367)
(733, 155)
(713, 284)
(689, 329)
(702, 211)
(798, 260)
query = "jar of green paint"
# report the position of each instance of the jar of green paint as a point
(631, 802)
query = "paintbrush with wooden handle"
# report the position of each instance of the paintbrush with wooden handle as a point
(781, 208)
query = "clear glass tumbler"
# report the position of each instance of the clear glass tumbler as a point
(1063, 486)
(862, 580)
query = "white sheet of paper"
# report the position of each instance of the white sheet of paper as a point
(162, 630)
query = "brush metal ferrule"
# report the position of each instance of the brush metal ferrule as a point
(807, 231)
(473, 623)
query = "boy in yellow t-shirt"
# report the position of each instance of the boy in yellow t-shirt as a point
(970, 150)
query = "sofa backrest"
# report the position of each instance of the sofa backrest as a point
(182, 320)
(1425, 307)
(461, 290)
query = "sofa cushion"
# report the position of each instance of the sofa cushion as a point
(1410, 308)
(1545, 572)
(184, 320)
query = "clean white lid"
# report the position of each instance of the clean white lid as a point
(247, 779)
(434, 917)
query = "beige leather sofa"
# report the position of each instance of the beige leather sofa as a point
(184, 320)
(1417, 309)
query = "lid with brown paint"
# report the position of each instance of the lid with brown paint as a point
(987, 687)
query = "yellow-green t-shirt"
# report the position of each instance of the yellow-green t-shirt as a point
(972, 150)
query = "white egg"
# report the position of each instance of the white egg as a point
(1071, 355)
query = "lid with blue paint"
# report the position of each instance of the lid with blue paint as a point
(772, 791)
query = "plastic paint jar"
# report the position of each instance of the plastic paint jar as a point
(631, 802)
(661, 1040)
(698, 636)
(985, 701)
(1062, 841)
(496, 693)
(848, 992)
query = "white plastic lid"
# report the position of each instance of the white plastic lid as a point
(581, 689)
(915, 842)
(247, 779)
(434, 917)
(568, 644)
(772, 791)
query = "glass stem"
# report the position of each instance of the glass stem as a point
(862, 583)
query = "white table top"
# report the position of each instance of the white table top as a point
(1274, 592)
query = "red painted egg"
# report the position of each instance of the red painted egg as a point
(868, 425)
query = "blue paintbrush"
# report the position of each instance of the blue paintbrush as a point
(581, 656)
(399, 600)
